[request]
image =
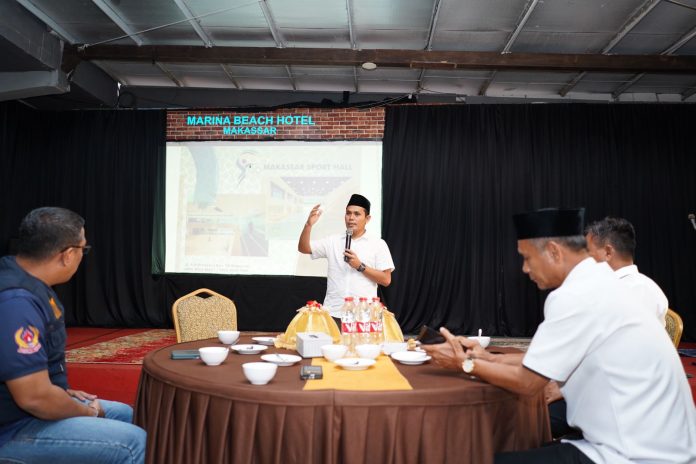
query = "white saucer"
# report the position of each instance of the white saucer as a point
(281, 359)
(248, 349)
(411, 358)
(264, 340)
(355, 364)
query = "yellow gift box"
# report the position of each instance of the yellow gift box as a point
(310, 318)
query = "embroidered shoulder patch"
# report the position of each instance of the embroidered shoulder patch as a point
(27, 340)
(56, 310)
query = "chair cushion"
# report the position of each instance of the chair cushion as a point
(201, 318)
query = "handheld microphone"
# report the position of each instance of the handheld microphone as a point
(349, 237)
(692, 218)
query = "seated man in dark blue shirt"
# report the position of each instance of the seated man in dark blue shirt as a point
(41, 418)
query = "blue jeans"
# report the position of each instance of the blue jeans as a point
(113, 439)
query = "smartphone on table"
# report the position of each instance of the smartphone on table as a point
(430, 336)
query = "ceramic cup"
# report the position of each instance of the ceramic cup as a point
(228, 337)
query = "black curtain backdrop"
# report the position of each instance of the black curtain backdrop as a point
(108, 166)
(453, 176)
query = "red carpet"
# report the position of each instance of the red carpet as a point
(107, 362)
(690, 367)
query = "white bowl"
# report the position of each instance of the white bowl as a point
(281, 359)
(333, 352)
(213, 355)
(368, 350)
(483, 341)
(392, 347)
(412, 358)
(259, 373)
(355, 364)
(248, 349)
(228, 337)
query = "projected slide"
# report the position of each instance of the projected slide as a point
(239, 207)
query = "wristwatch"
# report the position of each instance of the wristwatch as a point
(360, 268)
(468, 365)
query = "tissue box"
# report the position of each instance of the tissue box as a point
(309, 343)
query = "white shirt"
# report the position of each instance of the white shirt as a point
(646, 289)
(343, 280)
(618, 371)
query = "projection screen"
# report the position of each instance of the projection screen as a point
(239, 207)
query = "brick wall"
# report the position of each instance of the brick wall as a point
(283, 124)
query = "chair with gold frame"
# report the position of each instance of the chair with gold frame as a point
(197, 318)
(674, 326)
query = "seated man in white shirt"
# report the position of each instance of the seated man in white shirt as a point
(354, 271)
(611, 240)
(616, 366)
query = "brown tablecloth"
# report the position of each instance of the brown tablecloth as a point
(194, 413)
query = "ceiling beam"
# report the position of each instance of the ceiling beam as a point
(636, 17)
(388, 58)
(115, 16)
(511, 40)
(271, 24)
(207, 41)
(291, 77)
(57, 28)
(28, 38)
(351, 31)
(433, 25)
(666, 52)
(231, 77)
(689, 92)
(678, 44)
(169, 74)
(95, 82)
(18, 85)
(419, 82)
(626, 85)
(520, 25)
(484, 87)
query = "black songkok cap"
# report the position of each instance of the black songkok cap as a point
(359, 200)
(550, 222)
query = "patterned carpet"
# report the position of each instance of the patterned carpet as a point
(129, 349)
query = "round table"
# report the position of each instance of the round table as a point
(195, 413)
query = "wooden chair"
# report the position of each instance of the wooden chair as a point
(674, 326)
(196, 318)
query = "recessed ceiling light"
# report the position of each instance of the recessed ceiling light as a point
(369, 66)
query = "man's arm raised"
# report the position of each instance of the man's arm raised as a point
(303, 246)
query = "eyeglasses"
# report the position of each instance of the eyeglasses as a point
(85, 248)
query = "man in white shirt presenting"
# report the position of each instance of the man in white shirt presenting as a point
(616, 366)
(352, 272)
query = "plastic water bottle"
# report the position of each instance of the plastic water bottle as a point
(348, 325)
(376, 321)
(363, 319)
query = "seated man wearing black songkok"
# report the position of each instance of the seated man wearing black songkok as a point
(621, 377)
(611, 240)
(352, 272)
